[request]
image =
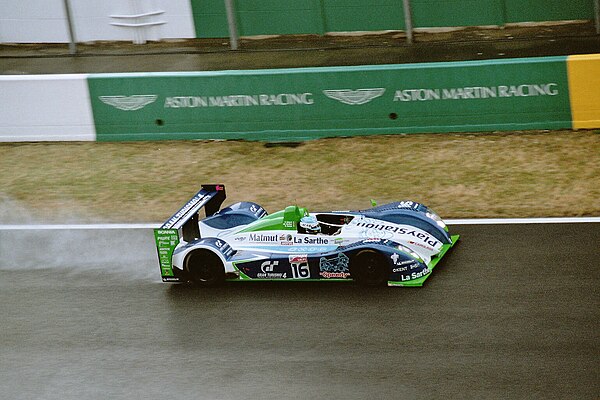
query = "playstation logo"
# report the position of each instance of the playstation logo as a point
(354, 97)
(129, 103)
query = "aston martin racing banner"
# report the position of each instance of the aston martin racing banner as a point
(305, 103)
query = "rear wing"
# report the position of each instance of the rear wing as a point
(186, 219)
(184, 224)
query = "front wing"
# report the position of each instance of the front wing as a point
(432, 264)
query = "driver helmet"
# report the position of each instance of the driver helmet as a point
(310, 224)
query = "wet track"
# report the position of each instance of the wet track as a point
(512, 312)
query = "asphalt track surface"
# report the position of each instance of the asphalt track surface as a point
(511, 313)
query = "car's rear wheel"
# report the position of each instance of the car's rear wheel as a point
(369, 268)
(205, 268)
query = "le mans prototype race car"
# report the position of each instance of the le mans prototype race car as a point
(397, 244)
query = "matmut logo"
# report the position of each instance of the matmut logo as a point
(354, 97)
(129, 103)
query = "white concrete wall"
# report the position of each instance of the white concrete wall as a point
(32, 21)
(45, 108)
(44, 21)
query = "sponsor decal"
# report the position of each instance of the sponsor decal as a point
(405, 268)
(299, 264)
(396, 257)
(167, 237)
(354, 97)
(416, 275)
(372, 234)
(166, 241)
(286, 240)
(240, 100)
(289, 224)
(311, 240)
(240, 238)
(222, 246)
(334, 267)
(267, 268)
(295, 258)
(420, 245)
(129, 103)
(402, 266)
(255, 237)
(477, 92)
(289, 239)
(194, 201)
(334, 275)
(408, 204)
(400, 231)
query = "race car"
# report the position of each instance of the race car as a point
(396, 244)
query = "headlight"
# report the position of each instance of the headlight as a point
(405, 249)
(437, 220)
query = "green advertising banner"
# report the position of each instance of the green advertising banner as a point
(307, 103)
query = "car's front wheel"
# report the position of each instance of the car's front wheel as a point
(205, 268)
(369, 268)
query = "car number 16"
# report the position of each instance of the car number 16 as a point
(300, 271)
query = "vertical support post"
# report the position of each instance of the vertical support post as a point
(72, 40)
(597, 15)
(321, 17)
(231, 22)
(408, 25)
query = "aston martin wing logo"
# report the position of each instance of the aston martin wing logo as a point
(354, 97)
(129, 103)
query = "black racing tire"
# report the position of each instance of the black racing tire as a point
(369, 268)
(205, 268)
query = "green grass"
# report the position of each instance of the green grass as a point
(522, 174)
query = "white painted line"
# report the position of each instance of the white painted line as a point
(54, 227)
(480, 221)
(505, 221)
(43, 77)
